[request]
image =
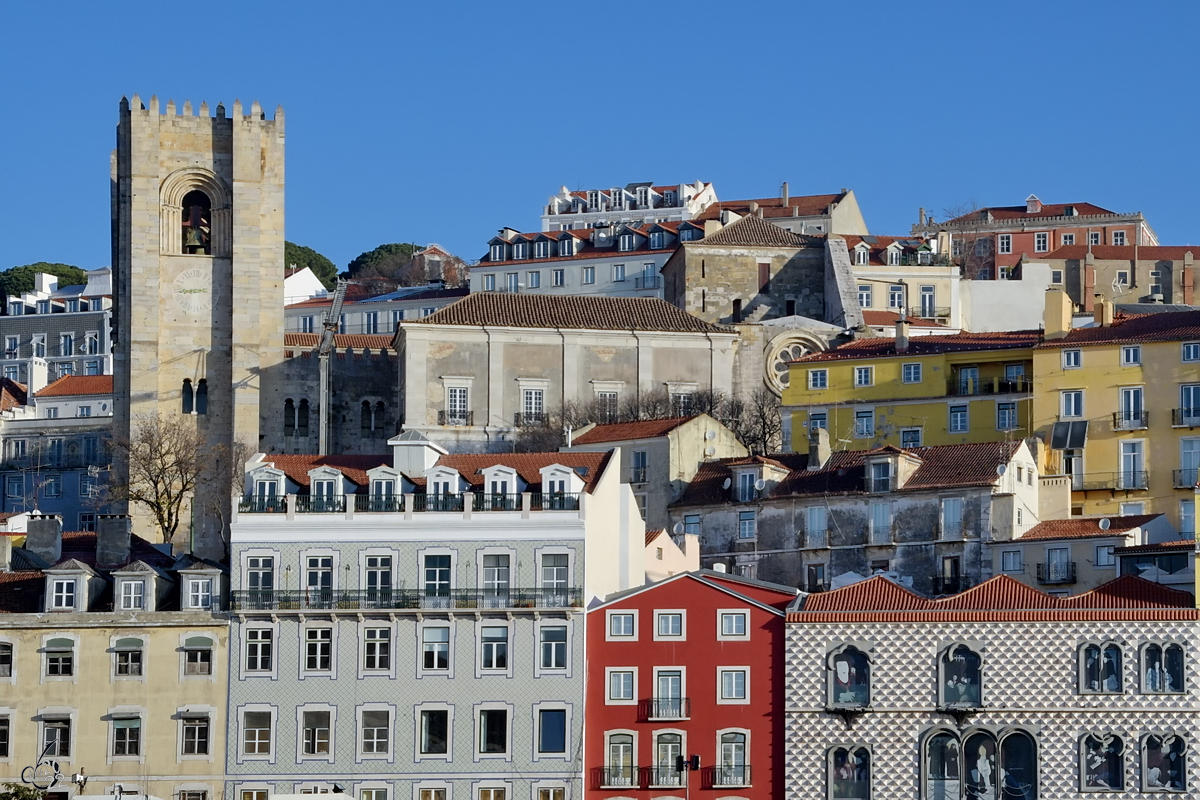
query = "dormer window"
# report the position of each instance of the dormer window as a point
(893, 257)
(133, 595)
(617, 199)
(520, 251)
(625, 242)
(541, 249)
(745, 487)
(669, 198)
(199, 593)
(62, 597)
(497, 253)
(688, 234)
(861, 255)
(593, 200)
(643, 196)
(566, 247)
(16, 308)
(881, 476)
(43, 306)
(658, 240)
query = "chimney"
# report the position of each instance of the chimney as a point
(818, 449)
(921, 214)
(1103, 315)
(783, 195)
(902, 335)
(1033, 205)
(6, 552)
(1056, 321)
(43, 537)
(753, 207)
(112, 539)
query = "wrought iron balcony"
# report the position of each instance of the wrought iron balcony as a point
(378, 503)
(456, 418)
(438, 502)
(667, 708)
(320, 504)
(611, 776)
(1185, 417)
(490, 501)
(1062, 572)
(393, 599)
(637, 475)
(1130, 420)
(665, 776)
(647, 282)
(529, 419)
(960, 387)
(554, 501)
(731, 775)
(931, 312)
(1093, 481)
(1185, 478)
(262, 504)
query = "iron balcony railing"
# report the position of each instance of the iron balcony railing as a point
(731, 775)
(1130, 420)
(529, 418)
(52, 461)
(966, 387)
(1185, 417)
(1185, 478)
(618, 776)
(394, 503)
(932, 312)
(262, 504)
(925, 260)
(1093, 481)
(320, 504)
(665, 776)
(667, 708)
(436, 598)
(637, 475)
(378, 503)
(490, 501)
(459, 418)
(437, 502)
(554, 501)
(815, 538)
(1060, 572)
(647, 282)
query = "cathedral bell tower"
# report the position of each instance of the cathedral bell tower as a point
(197, 221)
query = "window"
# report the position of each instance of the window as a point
(620, 625)
(256, 733)
(197, 656)
(625, 242)
(520, 251)
(850, 773)
(84, 411)
(127, 736)
(1041, 242)
(912, 373)
(1072, 403)
(306, 324)
(565, 248)
(818, 378)
(512, 280)
(1131, 355)
(1011, 561)
(1068, 239)
(52, 412)
(195, 736)
(1105, 556)
(667, 750)
(435, 642)
(129, 657)
(371, 322)
(38, 340)
(881, 476)
(534, 279)
(952, 517)
(589, 275)
(864, 295)
(1094, 237)
(1056, 276)
(733, 624)
(258, 649)
(817, 419)
(1122, 277)
(861, 255)
(910, 437)
(260, 571)
(850, 677)
(816, 527)
(607, 406)
(747, 524)
(375, 729)
(620, 685)
(893, 257)
(555, 567)
(552, 730)
(1006, 416)
(133, 595)
(864, 424)
(958, 419)
(64, 594)
(1164, 762)
(56, 737)
(494, 648)
(1118, 238)
(435, 730)
(1102, 763)
(971, 766)
(961, 677)
(554, 647)
(881, 523)
(541, 249)
(318, 649)
(377, 649)
(669, 624)
(456, 405)
(493, 730)
(618, 272)
(1162, 669)
(896, 294)
(691, 524)
(558, 277)
(1187, 519)
(489, 282)
(864, 376)
(437, 576)
(733, 684)
(1072, 359)
(53, 486)
(315, 733)
(1004, 243)
(6, 660)
(1100, 666)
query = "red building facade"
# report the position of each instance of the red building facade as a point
(690, 666)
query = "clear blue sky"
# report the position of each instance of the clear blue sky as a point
(442, 122)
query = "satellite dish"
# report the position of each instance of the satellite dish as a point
(728, 482)
(710, 451)
(710, 435)
(1001, 469)
(678, 529)
(1105, 524)
(760, 484)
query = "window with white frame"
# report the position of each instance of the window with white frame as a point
(533, 279)
(259, 649)
(864, 376)
(895, 296)
(911, 373)
(199, 593)
(558, 276)
(618, 273)
(196, 735)
(622, 625)
(197, 655)
(377, 649)
(1131, 355)
(489, 281)
(817, 524)
(375, 732)
(552, 731)
(864, 295)
(133, 594)
(733, 683)
(1072, 359)
(1067, 240)
(493, 731)
(733, 625)
(864, 424)
(1072, 403)
(1004, 243)
(1041, 242)
(56, 737)
(315, 732)
(318, 649)
(63, 594)
(435, 647)
(493, 647)
(553, 646)
(6, 661)
(668, 625)
(434, 732)
(621, 685)
(893, 257)
(818, 378)
(127, 657)
(256, 733)
(861, 255)
(589, 275)
(952, 517)
(911, 437)
(1118, 238)
(747, 524)
(126, 736)
(1006, 416)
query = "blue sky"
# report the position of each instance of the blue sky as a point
(442, 122)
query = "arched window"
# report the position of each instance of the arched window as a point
(187, 396)
(302, 419)
(289, 417)
(1101, 763)
(962, 677)
(1162, 668)
(619, 769)
(980, 768)
(197, 223)
(850, 773)
(365, 419)
(979, 753)
(667, 746)
(849, 678)
(202, 396)
(1164, 763)
(732, 769)
(1018, 767)
(1101, 665)
(380, 409)
(943, 767)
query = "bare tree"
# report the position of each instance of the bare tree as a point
(756, 421)
(158, 467)
(973, 249)
(225, 475)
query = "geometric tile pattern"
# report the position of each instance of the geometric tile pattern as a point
(1029, 680)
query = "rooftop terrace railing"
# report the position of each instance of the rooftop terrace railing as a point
(399, 599)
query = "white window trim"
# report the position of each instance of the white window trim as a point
(683, 747)
(608, 700)
(608, 615)
(126, 712)
(513, 560)
(420, 565)
(564, 784)
(508, 625)
(547, 672)
(870, 371)
(323, 552)
(448, 756)
(445, 785)
(112, 648)
(722, 637)
(920, 372)
(13, 644)
(569, 750)
(242, 710)
(491, 783)
(683, 691)
(682, 612)
(421, 672)
(359, 755)
(192, 712)
(390, 672)
(1072, 350)
(811, 375)
(43, 654)
(55, 713)
(214, 661)
(539, 552)
(717, 744)
(273, 672)
(721, 701)
(260, 552)
(147, 594)
(302, 670)
(477, 731)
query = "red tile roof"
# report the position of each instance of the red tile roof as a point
(750, 231)
(624, 431)
(885, 347)
(881, 318)
(354, 467)
(77, 385)
(1021, 212)
(999, 599)
(364, 295)
(21, 592)
(1105, 252)
(1086, 527)
(812, 205)
(1179, 545)
(877, 246)
(353, 341)
(1175, 327)
(652, 534)
(550, 311)
(12, 394)
(527, 465)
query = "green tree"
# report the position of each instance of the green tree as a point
(17, 280)
(19, 791)
(388, 262)
(300, 256)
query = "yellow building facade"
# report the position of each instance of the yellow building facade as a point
(1118, 405)
(913, 392)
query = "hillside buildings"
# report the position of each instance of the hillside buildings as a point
(633, 204)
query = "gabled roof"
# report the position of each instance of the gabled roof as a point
(812, 205)
(505, 310)
(654, 533)
(623, 431)
(1000, 598)
(77, 385)
(1108, 252)
(354, 341)
(751, 231)
(21, 592)
(716, 581)
(528, 466)
(1135, 328)
(706, 486)
(884, 347)
(353, 467)
(878, 318)
(1022, 212)
(12, 394)
(1086, 527)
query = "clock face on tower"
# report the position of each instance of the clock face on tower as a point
(193, 290)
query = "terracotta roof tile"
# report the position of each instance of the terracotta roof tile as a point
(1086, 527)
(77, 385)
(652, 534)
(12, 394)
(549, 311)
(622, 431)
(1021, 212)
(750, 231)
(1107, 252)
(353, 341)
(527, 465)
(21, 592)
(811, 205)
(1179, 326)
(354, 467)
(883, 347)
(877, 318)
(1179, 545)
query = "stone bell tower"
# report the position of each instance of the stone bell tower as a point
(197, 222)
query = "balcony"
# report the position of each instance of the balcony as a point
(879, 536)
(1185, 417)
(665, 776)
(529, 419)
(262, 504)
(554, 501)
(985, 386)
(320, 504)
(1112, 481)
(924, 259)
(618, 777)
(438, 502)
(666, 708)
(932, 312)
(647, 282)
(1062, 572)
(398, 599)
(489, 501)
(1130, 420)
(1185, 478)
(731, 775)
(378, 503)
(637, 475)
(456, 418)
